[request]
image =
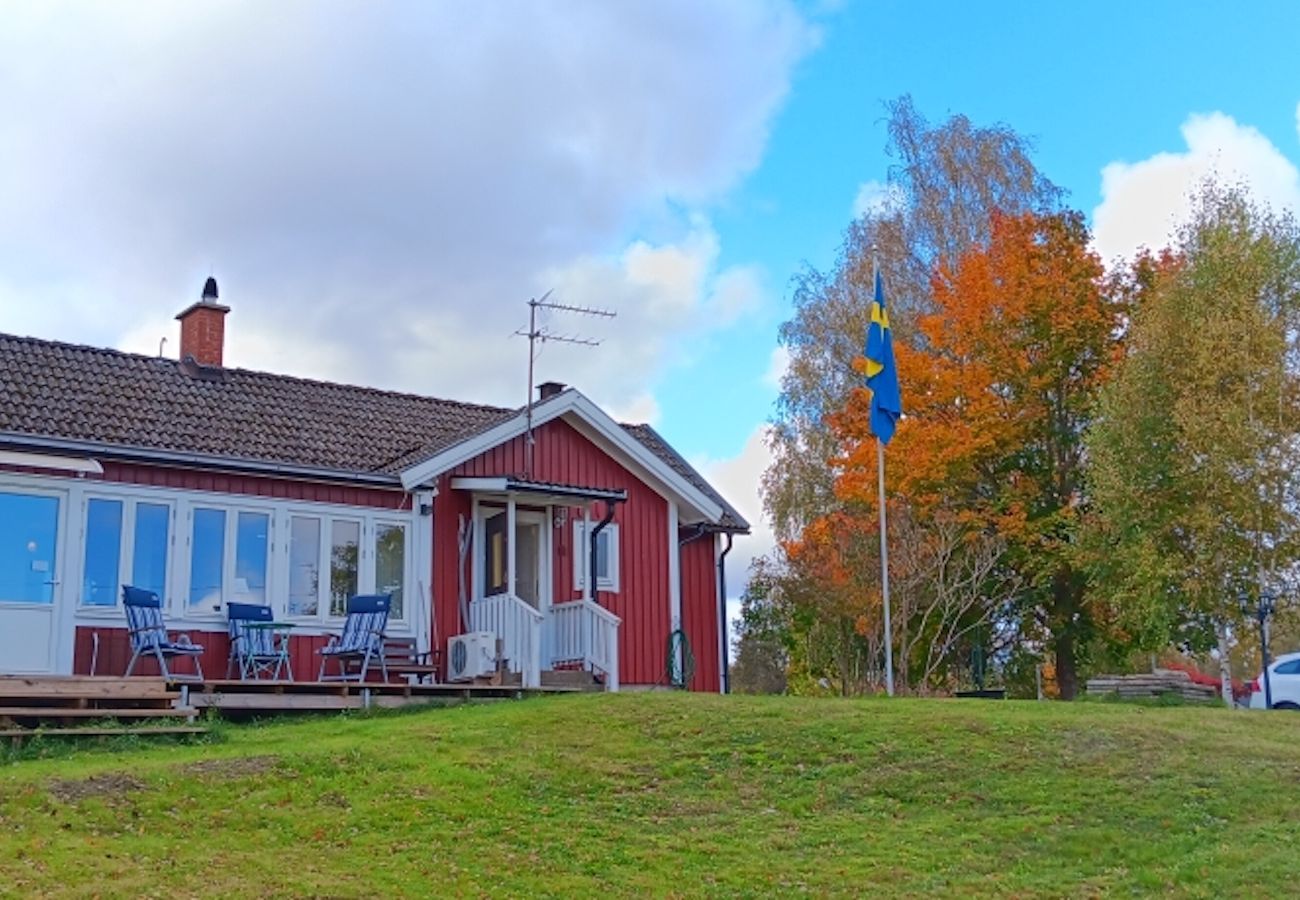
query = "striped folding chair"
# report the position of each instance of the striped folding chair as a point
(149, 637)
(257, 645)
(362, 639)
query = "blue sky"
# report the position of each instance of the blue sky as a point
(1090, 83)
(378, 189)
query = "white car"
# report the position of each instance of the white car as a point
(1283, 681)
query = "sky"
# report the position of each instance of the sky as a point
(379, 188)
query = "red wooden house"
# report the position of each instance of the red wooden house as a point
(582, 543)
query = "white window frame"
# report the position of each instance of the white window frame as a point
(609, 582)
(370, 521)
(228, 559)
(373, 522)
(182, 502)
(125, 547)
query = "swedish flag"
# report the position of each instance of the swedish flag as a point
(882, 374)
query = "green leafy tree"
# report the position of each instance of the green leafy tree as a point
(763, 635)
(1192, 456)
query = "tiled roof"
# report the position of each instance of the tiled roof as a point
(731, 520)
(90, 394)
(75, 393)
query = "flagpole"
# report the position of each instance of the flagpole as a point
(884, 540)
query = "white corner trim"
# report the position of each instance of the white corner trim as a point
(674, 569)
(569, 403)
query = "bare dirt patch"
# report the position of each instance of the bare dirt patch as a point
(109, 784)
(232, 767)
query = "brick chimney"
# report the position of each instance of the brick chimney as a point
(203, 328)
(548, 389)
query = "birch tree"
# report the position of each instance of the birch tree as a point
(1192, 471)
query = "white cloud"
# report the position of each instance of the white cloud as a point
(643, 409)
(876, 197)
(737, 478)
(663, 294)
(778, 364)
(1144, 202)
(378, 194)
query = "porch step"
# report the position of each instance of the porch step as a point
(18, 735)
(578, 679)
(55, 712)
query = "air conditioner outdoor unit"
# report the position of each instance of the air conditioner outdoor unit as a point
(471, 655)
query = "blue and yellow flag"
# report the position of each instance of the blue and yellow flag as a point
(882, 374)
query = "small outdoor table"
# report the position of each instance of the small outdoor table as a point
(275, 655)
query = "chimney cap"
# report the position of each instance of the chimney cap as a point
(210, 290)
(548, 389)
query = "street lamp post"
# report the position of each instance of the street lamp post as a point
(1262, 612)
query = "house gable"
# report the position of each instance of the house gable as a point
(598, 428)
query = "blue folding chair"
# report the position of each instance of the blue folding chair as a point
(149, 637)
(362, 638)
(256, 648)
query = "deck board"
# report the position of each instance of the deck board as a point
(60, 699)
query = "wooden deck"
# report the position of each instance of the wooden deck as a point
(76, 706)
(84, 705)
(238, 697)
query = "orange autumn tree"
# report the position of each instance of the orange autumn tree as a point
(999, 381)
(831, 584)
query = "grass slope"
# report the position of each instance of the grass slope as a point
(672, 795)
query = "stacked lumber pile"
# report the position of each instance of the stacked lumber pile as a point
(1161, 682)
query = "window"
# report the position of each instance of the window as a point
(252, 534)
(1290, 667)
(29, 526)
(345, 564)
(207, 559)
(332, 559)
(606, 556)
(126, 542)
(304, 566)
(495, 546)
(103, 552)
(149, 553)
(228, 552)
(390, 563)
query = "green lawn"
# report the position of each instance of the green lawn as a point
(672, 795)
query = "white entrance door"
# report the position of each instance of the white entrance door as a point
(532, 547)
(30, 592)
(528, 560)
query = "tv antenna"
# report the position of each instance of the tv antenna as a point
(539, 334)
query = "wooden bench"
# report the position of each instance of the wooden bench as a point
(403, 657)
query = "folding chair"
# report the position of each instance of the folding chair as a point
(148, 634)
(258, 646)
(362, 638)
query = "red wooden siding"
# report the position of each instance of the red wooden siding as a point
(229, 483)
(562, 455)
(115, 653)
(252, 485)
(700, 610)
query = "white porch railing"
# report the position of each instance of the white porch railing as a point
(583, 631)
(518, 626)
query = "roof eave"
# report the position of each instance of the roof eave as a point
(135, 454)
